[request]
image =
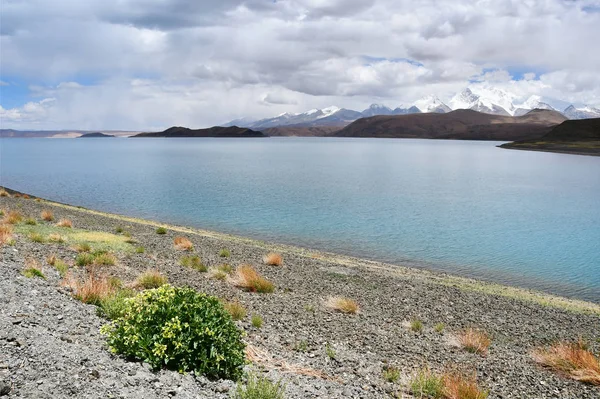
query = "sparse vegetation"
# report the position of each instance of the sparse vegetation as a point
(193, 262)
(236, 310)
(61, 267)
(183, 244)
(248, 278)
(82, 247)
(257, 321)
(93, 289)
(152, 329)
(329, 351)
(573, 360)
(119, 230)
(56, 238)
(474, 341)
(391, 374)
(459, 386)
(67, 223)
(36, 237)
(6, 231)
(12, 217)
(217, 274)
(439, 328)
(416, 325)
(84, 259)
(225, 268)
(139, 250)
(51, 259)
(273, 259)
(161, 230)
(425, 384)
(30, 221)
(105, 259)
(341, 304)
(151, 279)
(33, 269)
(4, 193)
(47, 215)
(224, 253)
(301, 346)
(258, 387)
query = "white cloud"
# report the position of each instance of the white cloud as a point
(156, 63)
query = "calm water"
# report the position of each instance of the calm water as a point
(525, 218)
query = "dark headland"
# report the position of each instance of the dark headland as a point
(95, 135)
(573, 137)
(216, 131)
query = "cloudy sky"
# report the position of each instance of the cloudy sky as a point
(150, 64)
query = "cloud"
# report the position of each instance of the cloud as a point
(167, 60)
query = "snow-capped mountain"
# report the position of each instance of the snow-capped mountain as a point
(466, 99)
(581, 113)
(432, 104)
(377, 109)
(533, 102)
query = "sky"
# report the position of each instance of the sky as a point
(151, 64)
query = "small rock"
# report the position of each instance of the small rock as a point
(4, 388)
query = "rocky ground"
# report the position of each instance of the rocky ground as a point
(50, 345)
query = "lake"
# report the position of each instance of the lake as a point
(528, 219)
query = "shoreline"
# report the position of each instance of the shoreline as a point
(440, 277)
(408, 320)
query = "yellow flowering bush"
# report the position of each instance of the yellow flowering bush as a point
(181, 329)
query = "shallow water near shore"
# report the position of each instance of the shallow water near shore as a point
(527, 219)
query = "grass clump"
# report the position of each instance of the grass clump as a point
(47, 215)
(391, 374)
(416, 325)
(257, 321)
(183, 244)
(474, 341)
(56, 238)
(161, 231)
(301, 346)
(36, 237)
(12, 217)
(6, 231)
(225, 268)
(119, 230)
(459, 386)
(236, 310)
(224, 253)
(67, 223)
(217, 274)
(329, 351)
(439, 328)
(427, 385)
(4, 193)
(181, 329)
(341, 304)
(61, 267)
(30, 221)
(140, 250)
(92, 289)
(193, 262)
(105, 259)
(33, 269)
(114, 305)
(82, 247)
(258, 387)
(273, 259)
(248, 278)
(151, 279)
(84, 259)
(573, 360)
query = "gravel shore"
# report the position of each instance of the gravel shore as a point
(50, 345)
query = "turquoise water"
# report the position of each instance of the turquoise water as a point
(529, 219)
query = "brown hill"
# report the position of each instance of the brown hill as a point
(302, 131)
(459, 124)
(216, 131)
(573, 137)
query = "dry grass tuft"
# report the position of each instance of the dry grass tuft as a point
(47, 215)
(236, 310)
(341, 304)
(4, 193)
(26, 196)
(572, 360)
(57, 238)
(183, 244)
(33, 269)
(459, 386)
(13, 217)
(6, 231)
(105, 259)
(151, 279)
(474, 341)
(248, 278)
(65, 223)
(51, 259)
(273, 259)
(93, 289)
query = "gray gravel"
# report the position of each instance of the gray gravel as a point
(50, 344)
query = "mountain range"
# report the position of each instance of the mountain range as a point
(488, 100)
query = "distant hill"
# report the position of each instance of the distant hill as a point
(95, 135)
(58, 133)
(301, 131)
(216, 131)
(573, 136)
(461, 124)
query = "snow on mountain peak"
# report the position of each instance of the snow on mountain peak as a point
(431, 103)
(329, 111)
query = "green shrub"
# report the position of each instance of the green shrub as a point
(258, 387)
(179, 328)
(161, 230)
(113, 306)
(224, 253)
(84, 259)
(193, 262)
(257, 321)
